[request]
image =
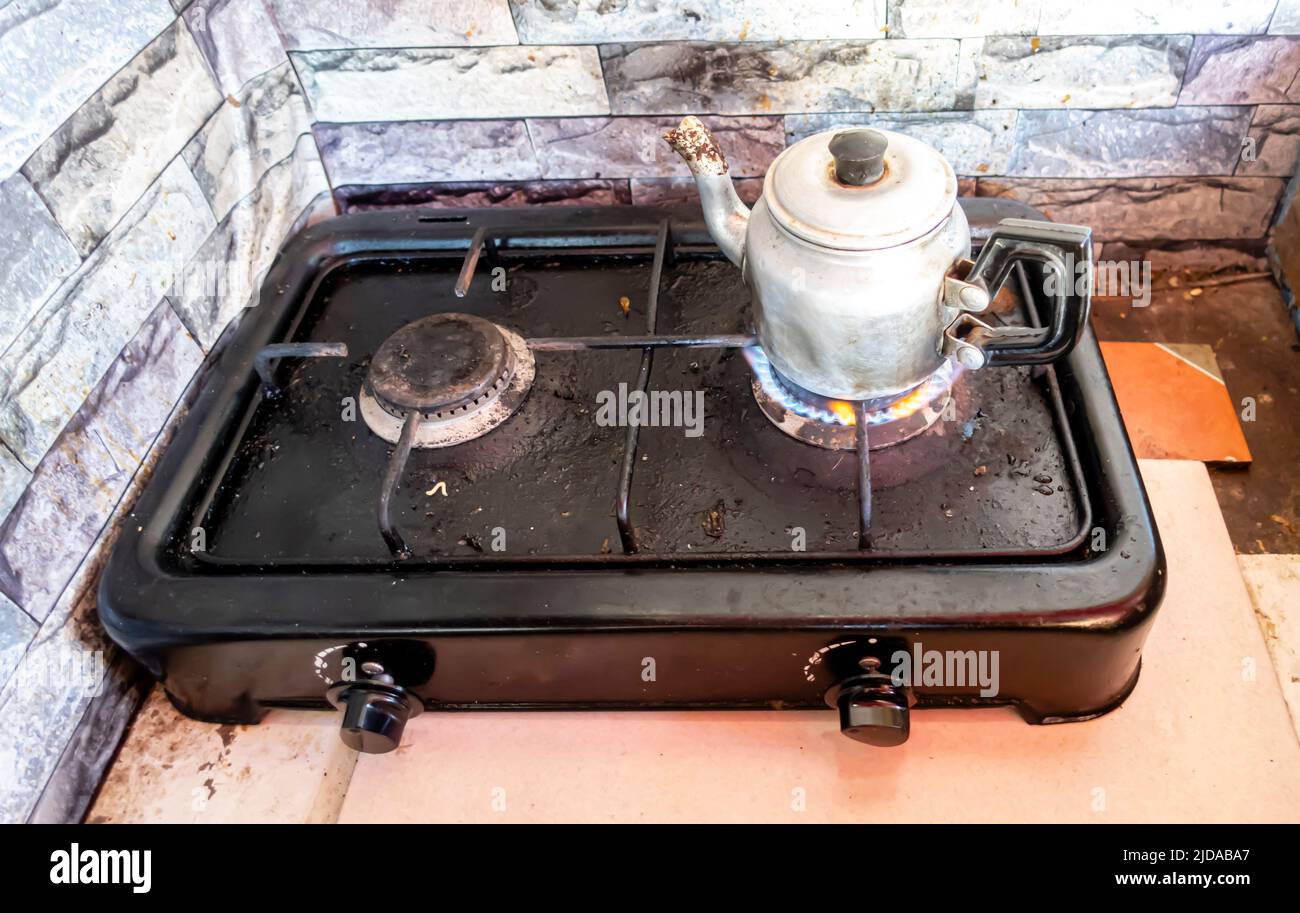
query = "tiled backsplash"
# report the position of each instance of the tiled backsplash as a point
(154, 154)
(150, 166)
(1152, 121)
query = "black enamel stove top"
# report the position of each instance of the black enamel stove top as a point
(396, 490)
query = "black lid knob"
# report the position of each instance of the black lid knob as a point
(373, 718)
(859, 156)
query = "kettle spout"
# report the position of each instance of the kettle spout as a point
(726, 216)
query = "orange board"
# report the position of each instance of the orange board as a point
(1174, 402)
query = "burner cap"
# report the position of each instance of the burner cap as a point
(440, 365)
(464, 376)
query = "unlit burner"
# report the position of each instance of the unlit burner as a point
(829, 423)
(464, 375)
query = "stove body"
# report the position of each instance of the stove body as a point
(555, 562)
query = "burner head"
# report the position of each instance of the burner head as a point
(439, 365)
(464, 375)
(829, 423)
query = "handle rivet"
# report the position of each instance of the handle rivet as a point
(973, 298)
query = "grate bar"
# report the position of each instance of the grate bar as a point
(649, 341)
(392, 480)
(262, 361)
(622, 507)
(864, 474)
(480, 243)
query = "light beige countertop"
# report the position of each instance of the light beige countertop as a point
(1206, 736)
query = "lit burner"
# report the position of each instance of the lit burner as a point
(829, 423)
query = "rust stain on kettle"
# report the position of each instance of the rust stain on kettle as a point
(694, 143)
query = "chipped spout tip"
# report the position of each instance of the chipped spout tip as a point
(696, 145)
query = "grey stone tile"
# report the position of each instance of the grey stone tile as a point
(248, 134)
(92, 747)
(968, 72)
(405, 152)
(17, 629)
(1093, 72)
(599, 21)
(1150, 209)
(457, 195)
(366, 85)
(35, 256)
(973, 142)
(1275, 130)
(14, 477)
(96, 165)
(1227, 70)
(40, 707)
(68, 346)
(226, 274)
(970, 18)
(60, 53)
(1150, 142)
(79, 483)
(1286, 19)
(797, 76)
(665, 191)
(315, 24)
(1156, 17)
(64, 675)
(238, 39)
(624, 147)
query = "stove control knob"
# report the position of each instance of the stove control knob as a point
(872, 709)
(374, 714)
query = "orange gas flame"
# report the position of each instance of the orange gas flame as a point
(910, 404)
(905, 406)
(843, 411)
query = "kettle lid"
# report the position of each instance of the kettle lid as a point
(857, 188)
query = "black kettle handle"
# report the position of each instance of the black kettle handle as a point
(1066, 254)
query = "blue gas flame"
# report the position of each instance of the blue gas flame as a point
(931, 389)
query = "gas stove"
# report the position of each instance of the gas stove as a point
(518, 459)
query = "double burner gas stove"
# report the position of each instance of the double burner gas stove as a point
(533, 459)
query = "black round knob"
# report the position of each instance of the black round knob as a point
(872, 709)
(874, 719)
(859, 156)
(374, 715)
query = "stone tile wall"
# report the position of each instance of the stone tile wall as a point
(150, 165)
(1189, 107)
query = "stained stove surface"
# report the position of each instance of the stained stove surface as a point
(303, 484)
(984, 530)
